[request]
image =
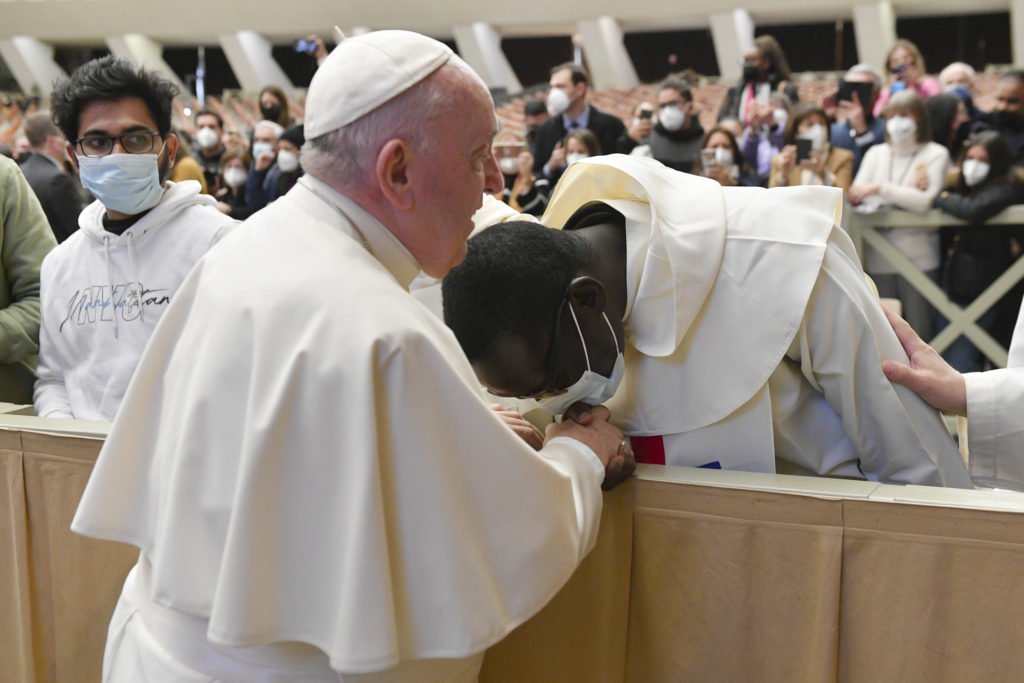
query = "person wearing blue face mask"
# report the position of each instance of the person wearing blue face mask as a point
(263, 176)
(723, 327)
(958, 79)
(105, 287)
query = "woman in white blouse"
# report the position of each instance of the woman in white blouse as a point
(906, 172)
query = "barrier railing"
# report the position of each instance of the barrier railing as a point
(864, 229)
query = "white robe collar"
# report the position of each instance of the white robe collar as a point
(325, 203)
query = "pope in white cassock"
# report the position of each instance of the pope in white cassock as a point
(725, 328)
(304, 457)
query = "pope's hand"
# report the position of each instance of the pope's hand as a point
(590, 426)
(928, 375)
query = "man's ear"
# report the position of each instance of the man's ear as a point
(171, 143)
(70, 149)
(587, 293)
(392, 174)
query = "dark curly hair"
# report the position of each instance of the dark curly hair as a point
(110, 78)
(512, 281)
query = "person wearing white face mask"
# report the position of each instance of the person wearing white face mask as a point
(907, 171)
(725, 327)
(720, 159)
(235, 165)
(209, 134)
(988, 183)
(823, 164)
(671, 132)
(104, 289)
(523, 191)
(580, 144)
(289, 151)
(569, 109)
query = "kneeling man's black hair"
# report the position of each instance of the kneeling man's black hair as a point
(512, 281)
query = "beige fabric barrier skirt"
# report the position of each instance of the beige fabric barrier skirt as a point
(688, 581)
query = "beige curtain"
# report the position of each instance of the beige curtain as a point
(733, 585)
(931, 594)
(687, 582)
(59, 589)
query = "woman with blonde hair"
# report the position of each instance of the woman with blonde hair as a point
(904, 70)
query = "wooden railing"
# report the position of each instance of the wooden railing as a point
(864, 229)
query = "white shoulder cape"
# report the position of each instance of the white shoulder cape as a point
(304, 455)
(718, 281)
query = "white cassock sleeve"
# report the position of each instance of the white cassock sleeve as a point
(843, 338)
(995, 405)
(995, 431)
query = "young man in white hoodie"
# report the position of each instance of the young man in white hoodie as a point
(104, 289)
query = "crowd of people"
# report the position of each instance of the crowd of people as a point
(300, 445)
(904, 140)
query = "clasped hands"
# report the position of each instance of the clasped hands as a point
(588, 425)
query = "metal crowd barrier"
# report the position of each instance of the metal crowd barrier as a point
(864, 229)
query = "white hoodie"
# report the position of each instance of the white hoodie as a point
(101, 295)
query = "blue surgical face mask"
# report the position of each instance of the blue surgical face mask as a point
(958, 89)
(259, 148)
(591, 388)
(126, 183)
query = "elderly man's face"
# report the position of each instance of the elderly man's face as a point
(452, 175)
(264, 134)
(956, 76)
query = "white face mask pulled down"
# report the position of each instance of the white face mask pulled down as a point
(591, 388)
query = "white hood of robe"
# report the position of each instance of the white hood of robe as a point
(717, 281)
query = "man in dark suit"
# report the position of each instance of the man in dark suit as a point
(43, 167)
(567, 102)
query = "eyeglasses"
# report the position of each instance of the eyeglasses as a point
(136, 142)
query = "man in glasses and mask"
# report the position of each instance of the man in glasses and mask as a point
(106, 286)
(724, 328)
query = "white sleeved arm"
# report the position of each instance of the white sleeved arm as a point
(587, 497)
(995, 405)
(844, 337)
(50, 394)
(909, 197)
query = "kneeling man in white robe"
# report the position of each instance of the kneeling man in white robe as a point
(725, 327)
